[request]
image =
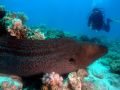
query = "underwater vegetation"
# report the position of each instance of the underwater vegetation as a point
(40, 58)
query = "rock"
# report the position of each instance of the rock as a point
(115, 66)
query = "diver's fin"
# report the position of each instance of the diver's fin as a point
(115, 20)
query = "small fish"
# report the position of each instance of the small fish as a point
(27, 57)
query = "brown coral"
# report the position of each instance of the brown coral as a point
(36, 35)
(18, 33)
(74, 81)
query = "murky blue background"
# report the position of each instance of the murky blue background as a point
(68, 15)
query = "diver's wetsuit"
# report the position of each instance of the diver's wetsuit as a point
(96, 21)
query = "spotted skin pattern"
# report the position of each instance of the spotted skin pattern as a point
(32, 57)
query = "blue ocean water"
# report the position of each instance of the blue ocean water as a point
(68, 15)
(72, 16)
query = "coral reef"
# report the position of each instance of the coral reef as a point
(51, 33)
(8, 82)
(107, 76)
(52, 81)
(54, 34)
(12, 24)
(2, 11)
(2, 23)
(74, 81)
(35, 35)
(114, 57)
(17, 29)
(22, 17)
(85, 38)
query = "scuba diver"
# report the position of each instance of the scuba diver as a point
(96, 21)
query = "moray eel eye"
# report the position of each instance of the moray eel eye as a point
(72, 60)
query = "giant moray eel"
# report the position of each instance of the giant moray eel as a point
(27, 57)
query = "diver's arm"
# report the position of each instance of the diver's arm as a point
(106, 26)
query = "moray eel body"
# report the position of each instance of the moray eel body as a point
(27, 57)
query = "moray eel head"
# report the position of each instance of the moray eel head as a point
(88, 53)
